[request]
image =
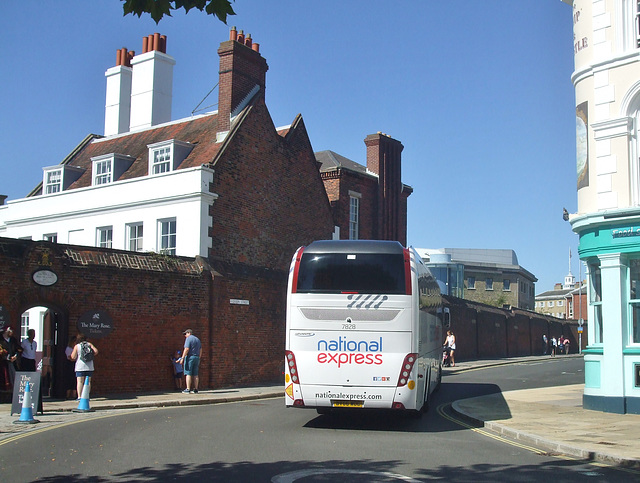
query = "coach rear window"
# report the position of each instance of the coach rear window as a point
(351, 273)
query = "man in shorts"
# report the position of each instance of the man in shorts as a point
(191, 361)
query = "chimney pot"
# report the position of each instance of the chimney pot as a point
(156, 41)
(145, 45)
(241, 37)
(233, 34)
(256, 47)
(248, 41)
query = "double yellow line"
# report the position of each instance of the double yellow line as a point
(492, 435)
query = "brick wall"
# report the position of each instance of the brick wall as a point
(247, 344)
(271, 198)
(486, 332)
(150, 299)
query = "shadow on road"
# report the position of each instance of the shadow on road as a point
(430, 422)
(371, 471)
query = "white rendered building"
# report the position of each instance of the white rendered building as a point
(117, 209)
(607, 87)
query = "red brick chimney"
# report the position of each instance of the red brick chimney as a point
(242, 69)
(384, 159)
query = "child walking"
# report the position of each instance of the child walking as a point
(178, 371)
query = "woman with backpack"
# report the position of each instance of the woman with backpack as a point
(83, 353)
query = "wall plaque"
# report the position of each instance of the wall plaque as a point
(45, 278)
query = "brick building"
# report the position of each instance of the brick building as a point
(370, 202)
(225, 192)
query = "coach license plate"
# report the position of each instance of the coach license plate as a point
(347, 404)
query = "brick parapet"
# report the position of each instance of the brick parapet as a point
(134, 261)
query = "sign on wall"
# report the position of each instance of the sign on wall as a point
(95, 324)
(582, 145)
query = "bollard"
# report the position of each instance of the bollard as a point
(83, 405)
(26, 415)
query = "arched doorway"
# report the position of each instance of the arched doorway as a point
(52, 334)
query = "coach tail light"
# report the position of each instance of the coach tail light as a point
(405, 372)
(292, 370)
(291, 364)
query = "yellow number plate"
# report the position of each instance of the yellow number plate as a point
(347, 404)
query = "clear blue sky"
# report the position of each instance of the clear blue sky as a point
(479, 94)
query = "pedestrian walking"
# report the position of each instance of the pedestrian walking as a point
(191, 361)
(450, 345)
(83, 353)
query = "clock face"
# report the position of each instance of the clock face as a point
(45, 278)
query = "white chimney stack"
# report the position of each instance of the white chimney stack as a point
(118, 102)
(152, 84)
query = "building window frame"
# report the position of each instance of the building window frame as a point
(570, 308)
(636, 23)
(471, 283)
(24, 325)
(354, 215)
(160, 159)
(506, 285)
(102, 170)
(50, 237)
(53, 181)
(167, 236)
(104, 236)
(135, 236)
(633, 329)
(595, 302)
(489, 283)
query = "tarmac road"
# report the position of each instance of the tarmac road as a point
(260, 440)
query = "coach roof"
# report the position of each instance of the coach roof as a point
(355, 246)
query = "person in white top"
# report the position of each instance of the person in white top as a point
(29, 348)
(83, 368)
(450, 343)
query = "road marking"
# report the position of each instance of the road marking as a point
(492, 435)
(485, 432)
(11, 439)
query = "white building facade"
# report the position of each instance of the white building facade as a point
(607, 89)
(165, 209)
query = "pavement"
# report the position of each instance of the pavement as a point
(551, 419)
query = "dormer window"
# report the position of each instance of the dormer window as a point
(53, 181)
(109, 167)
(161, 162)
(59, 178)
(102, 172)
(166, 156)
